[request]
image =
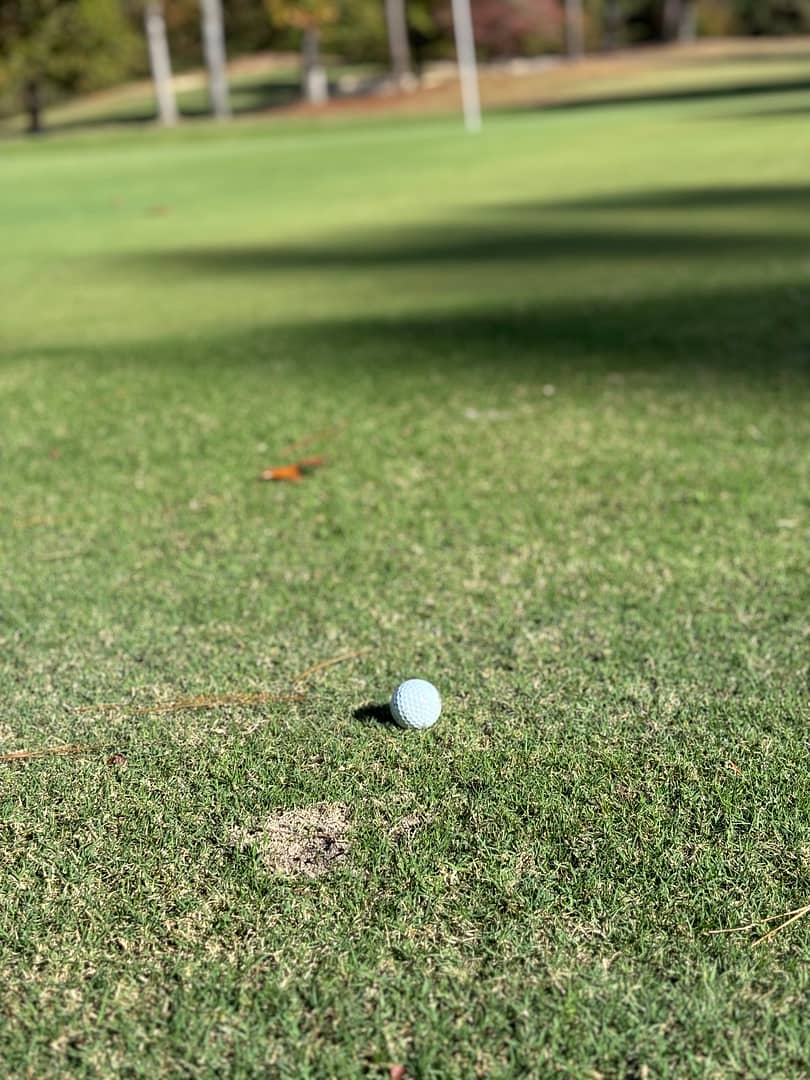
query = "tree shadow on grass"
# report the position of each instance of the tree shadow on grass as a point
(754, 335)
(748, 334)
(540, 233)
(745, 197)
(245, 101)
(800, 109)
(519, 318)
(461, 245)
(743, 89)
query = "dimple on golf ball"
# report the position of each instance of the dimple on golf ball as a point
(416, 704)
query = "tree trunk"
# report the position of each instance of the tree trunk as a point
(215, 58)
(160, 61)
(399, 48)
(313, 75)
(687, 31)
(574, 29)
(464, 33)
(612, 24)
(679, 20)
(32, 103)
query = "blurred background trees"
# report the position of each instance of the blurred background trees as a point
(309, 18)
(49, 47)
(160, 61)
(53, 48)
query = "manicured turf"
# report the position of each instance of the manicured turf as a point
(562, 371)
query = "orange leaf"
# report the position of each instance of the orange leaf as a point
(293, 472)
(283, 472)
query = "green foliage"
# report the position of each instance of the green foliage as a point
(642, 20)
(359, 32)
(302, 14)
(772, 16)
(75, 45)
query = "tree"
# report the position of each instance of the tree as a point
(574, 29)
(215, 59)
(160, 61)
(773, 16)
(53, 46)
(510, 27)
(679, 20)
(612, 23)
(310, 17)
(397, 25)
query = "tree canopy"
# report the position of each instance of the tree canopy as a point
(75, 45)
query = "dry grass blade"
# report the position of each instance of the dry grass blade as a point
(218, 701)
(327, 663)
(788, 916)
(48, 751)
(203, 701)
(54, 556)
(308, 440)
(794, 917)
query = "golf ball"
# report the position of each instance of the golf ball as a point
(416, 704)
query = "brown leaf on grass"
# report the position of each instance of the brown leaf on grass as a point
(397, 1072)
(294, 472)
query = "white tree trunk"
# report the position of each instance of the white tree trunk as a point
(160, 61)
(398, 45)
(467, 66)
(611, 24)
(574, 29)
(213, 29)
(680, 18)
(313, 74)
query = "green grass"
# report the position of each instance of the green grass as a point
(567, 367)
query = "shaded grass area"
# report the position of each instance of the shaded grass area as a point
(565, 382)
(651, 95)
(250, 92)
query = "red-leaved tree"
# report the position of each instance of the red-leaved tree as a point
(509, 27)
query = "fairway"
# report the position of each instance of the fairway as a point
(559, 374)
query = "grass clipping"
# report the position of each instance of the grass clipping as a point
(305, 842)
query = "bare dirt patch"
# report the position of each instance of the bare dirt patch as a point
(304, 842)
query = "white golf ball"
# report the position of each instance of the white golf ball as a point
(416, 704)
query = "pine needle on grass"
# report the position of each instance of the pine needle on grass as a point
(218, 701)
(48, 751)
(202, 701)
(308, 440)
(788, 917)
(327, 663)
